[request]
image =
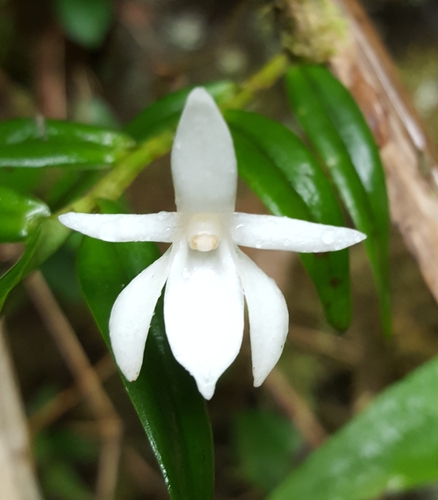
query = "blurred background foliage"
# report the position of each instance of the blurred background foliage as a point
(102, 62)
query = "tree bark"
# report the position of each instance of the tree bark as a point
(17, 475)
(409, 158)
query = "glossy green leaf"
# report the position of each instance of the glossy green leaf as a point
(71, 186)
(270, 184)
(19, 214)
(357, 137)
(392, 446)
(43, 241)
(58, 154)
(23, 180)
(29, 129)
(298, 165)
(86, 22)
(172, 411)
(164, 113)
(265, 444)
(33, 143)
(316, 122)
(295, 161)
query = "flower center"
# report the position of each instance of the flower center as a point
(204, 232)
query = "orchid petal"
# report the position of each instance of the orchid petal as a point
(203, 312)
(132, 313)
(125, 227)
(203, 159)
(282, 233)
(268, 317)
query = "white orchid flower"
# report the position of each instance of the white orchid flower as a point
(206, 274)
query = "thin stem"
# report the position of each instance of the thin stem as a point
(264, 79)
(296, 408)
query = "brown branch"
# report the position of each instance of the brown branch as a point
(86, 379)
(409, 158)
(340, 349)
(49, 74)
(296, 408)
(67, 399)
(17, 474)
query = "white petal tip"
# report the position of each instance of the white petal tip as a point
(67, 219)
(206, 389)
(334, 239)
(361, 237)
(355, 236)
(199, 95)
(259, 379)
(131, 376)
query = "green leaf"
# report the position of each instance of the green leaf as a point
(391, 447)
(70, 186)
(86, 22)
(23, 180)
(164, 113)
(357, 137)
(169, 406)
(19, 214)
(326, 139)
(270, 184)
(265, 444)
(301, 170)
(295, 161)
(28, 129)
(43, 241)
(58, 154)
(30, 143)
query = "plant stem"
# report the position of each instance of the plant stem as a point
(262, 80)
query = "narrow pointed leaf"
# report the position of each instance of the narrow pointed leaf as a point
(357, 137)
(391, 447)
(19, 214)
(71, 186)
(23, 180)
(164, 113)
(272, 187)
(169, 406)
(296, 162)
(58, 154)
(35, 129)
(35, 143)
(301, 170)
(328, 143)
